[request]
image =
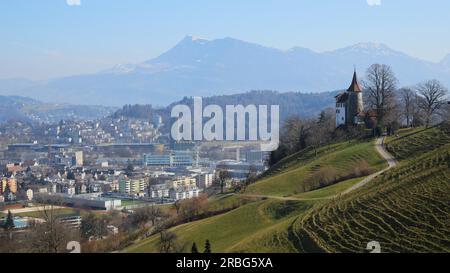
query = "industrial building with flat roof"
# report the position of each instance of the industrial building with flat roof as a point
(91, 200)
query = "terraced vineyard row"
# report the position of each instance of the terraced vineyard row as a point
(405, 210)
(420, 142)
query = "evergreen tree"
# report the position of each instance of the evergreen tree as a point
(129, 170)
(7, 193)
(207, 247)
(194, 248)
(9, 223)
(70, 175)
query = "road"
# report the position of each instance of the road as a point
(379, 146)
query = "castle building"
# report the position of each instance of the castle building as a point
(349, 105)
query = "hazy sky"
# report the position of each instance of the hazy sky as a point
(41, 39)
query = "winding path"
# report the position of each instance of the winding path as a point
(379, 146)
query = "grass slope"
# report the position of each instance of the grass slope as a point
(291, 175)
(266, 225)
(229, 232)
(406, 210)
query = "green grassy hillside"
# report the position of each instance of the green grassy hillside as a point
(406, 210)
(264, 226)
(304, 172)
(229, 232)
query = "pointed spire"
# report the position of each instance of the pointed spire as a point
(354, 87)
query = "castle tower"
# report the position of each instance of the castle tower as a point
(355, 104)
(349, 104)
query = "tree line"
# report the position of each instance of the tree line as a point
(423, 104)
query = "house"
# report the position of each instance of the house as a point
(29, 194)
(181, 193)
(159, 191)
(349, 105)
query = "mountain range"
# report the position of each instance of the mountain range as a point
(200, 67)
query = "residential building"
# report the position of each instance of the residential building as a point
(11, 182)
(182, 193)
(79, 158)
(205, 180)
(159, 191)
(131, 186)
(185, 181)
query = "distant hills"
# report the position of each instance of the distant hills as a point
(16, 108)
(199, 67)
(291, 103)
(30, 110)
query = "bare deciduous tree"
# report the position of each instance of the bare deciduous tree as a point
(409, 105)
(177, 206)
(155, 213)
(433, 95)
(167, 241)
(380, 85)
(224, 175)
(50, 236)
(294, 134)
(147, 214)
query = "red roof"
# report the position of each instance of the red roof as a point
(355, 87)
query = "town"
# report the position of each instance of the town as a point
(117, 164)
(231, 130)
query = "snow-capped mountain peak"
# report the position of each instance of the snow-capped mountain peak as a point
(200, 67)
(446, 61)
(373, 49)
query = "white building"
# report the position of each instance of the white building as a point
(71, 221)
(29, 194)
(91, 200)
(79, 158)
(70, 190)
(174, 159)
(159, 191)
(182, 193)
